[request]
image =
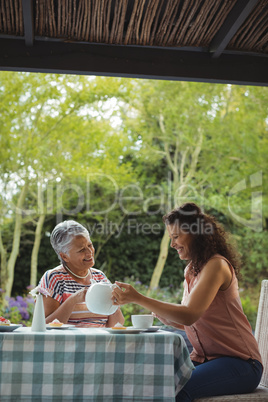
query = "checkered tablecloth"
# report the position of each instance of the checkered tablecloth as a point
(92, 365)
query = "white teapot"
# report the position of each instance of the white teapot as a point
(99, 298)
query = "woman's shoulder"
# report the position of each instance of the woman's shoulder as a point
(219, 265)
(216, 256)
(58, 271)
(98, 274)
(218, 259)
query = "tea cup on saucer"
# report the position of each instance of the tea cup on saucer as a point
(143, 321)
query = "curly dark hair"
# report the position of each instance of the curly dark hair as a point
(208, 236)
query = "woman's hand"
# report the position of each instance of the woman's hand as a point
(125, 294)
(79, 296)
(53, 309)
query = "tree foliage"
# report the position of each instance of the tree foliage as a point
(52, 135)
(116, 154)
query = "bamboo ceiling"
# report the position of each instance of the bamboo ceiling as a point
(160, 23)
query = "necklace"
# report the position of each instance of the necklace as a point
(77, 276)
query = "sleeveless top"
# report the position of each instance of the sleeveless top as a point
(61, 285)
(223, 330)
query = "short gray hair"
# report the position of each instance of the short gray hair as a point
(63, 234)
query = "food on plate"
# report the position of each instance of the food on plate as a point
(55, 323)
(119, 326)
(4, 321)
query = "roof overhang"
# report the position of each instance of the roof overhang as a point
(218, 41)
(133, 61)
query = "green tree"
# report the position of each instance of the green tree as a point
(53, 132)
(105, 150)
(239, 141)
(170, 124)
(205, 137)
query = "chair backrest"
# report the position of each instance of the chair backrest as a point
(261, 331)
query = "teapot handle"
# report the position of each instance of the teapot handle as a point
(114, 285)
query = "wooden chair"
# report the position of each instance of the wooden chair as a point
(261, 335)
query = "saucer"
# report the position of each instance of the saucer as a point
(150, 329)
(128, 330)
(64, 326)
(154, 328)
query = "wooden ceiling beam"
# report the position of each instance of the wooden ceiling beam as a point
(28, 21)
(233, 22)
(133, 61)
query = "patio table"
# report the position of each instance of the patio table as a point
(84, 364)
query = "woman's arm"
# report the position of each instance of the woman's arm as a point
(216, 274)
(53, 309)
(168, 322)
(115, 318)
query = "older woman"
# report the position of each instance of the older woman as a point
(225, 351)
(68, 283)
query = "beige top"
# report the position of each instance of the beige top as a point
(223, 330)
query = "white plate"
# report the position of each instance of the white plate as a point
(9, 328)
(64, 326)
(128, 330)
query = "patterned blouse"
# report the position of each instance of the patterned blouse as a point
(61, 285)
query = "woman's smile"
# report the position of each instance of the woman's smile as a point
(180, 240)
(81, 255)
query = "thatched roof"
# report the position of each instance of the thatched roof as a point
(213, 27)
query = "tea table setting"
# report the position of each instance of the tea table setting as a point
(68, 363)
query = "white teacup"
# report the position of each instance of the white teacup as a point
(143, 321)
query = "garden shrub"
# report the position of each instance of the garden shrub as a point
(19, 309)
